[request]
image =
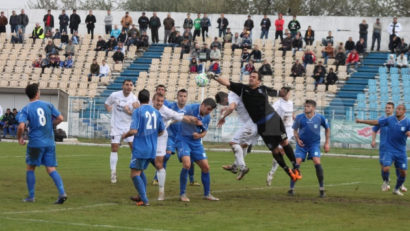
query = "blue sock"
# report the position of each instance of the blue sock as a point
(183, 181)
(385, 176)
(31, 182)
(140, 187)
(191, 173)
(166, 158)
(206, 181)
(292, 184)
(58, 182)
(144, 178)
(400, 181)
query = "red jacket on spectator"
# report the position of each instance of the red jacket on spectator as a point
(279, 24)
(313, 57)
(352, 58)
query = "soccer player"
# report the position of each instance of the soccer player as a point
(168, 116)
(189, 146)
(121, 104)
(398, 129)
(307, 135)
(247, 135)
(270, 125)
(161, 89)
(41, 117)
(146, 126)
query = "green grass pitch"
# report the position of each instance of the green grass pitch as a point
(354, 200)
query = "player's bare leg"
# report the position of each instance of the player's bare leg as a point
(206, 180)
(161, 175)
(183, 179)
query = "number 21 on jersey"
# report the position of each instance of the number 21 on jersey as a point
(152, 120)
(41, 116)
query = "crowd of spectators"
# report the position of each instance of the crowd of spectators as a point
(8, 122)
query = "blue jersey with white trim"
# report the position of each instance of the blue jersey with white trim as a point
(309, 129)
(396, 133)
(188, 129)
(175, 128)
(383, 134)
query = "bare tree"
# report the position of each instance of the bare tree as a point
(43, 4)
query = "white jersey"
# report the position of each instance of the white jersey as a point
(168, 116)
(285, 111)
(240, 108)
(120, 120)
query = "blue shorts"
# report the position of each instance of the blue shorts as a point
(171, 144)
(194, 150)
(399, 159)
(139, 164)
(41, 156)
(309, 151)
(381, 156)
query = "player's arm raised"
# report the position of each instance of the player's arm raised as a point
(369, 122)
(223, 81)
(226, 113)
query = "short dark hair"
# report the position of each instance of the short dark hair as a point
(287, 89)
(126, 80)
(143, 96)
(390, 103)
(32, 90)
(160, 85)
(220, 97)
(260, 77)
(182, 90)
(209, 102)
(157, 95)
(311, 102)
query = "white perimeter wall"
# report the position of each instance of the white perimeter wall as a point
(342, 27)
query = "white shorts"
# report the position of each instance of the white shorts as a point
(247, 134)
(162, 145)
(117, 139)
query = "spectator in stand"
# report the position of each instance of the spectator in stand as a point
(319, 74)
(308, 58)
(216, 43)
(154, 25)
(248, 68)
(67, 63)
(7, 122)
(205, 53)
(222, 25)
(108, 22)
(144, 40)
(48, 20)
(126, 22)
(266, 68)
(228, 37)
(363, 31)
(256, 54)
(248, 25)
(390, 62)
(329, 39)
(14, 22)
(90, 21)
(54, 61)
(394, 30)
(44, 63)
(169, 23)
(349, 45)
(402, 47)
(51, 48)
(3, 23)
(352, 59)
(143, 22)
(377, 31)
(49, 34)
(57, 34)
(188, 23)
(133, 31)
(197, 27)
(286, 44)
(75, 20)
(122, 37)
(236, 41)
(297, 44)
(187, 35)
(18, 38)
(265, 25)
(100, 44)
(361, 46)
(401, 61)
(37, 62)
(64, 38)
(294, 26)
(193, 66)
(340, 46)
(309, 36)
(340, 58)
(279, 27)
(94, 69)
(133, 40)
(115, 32)
(328, 52)
(23, 21)
(297, 69)
(104, 69)
(75, 38)
(195, 51)
(205, 24)
(245, 56)
(215, 54)
(331, 78)
(246, 41)
(215, 67)
(111, 44)
(186, 47)
(69, 49)
(173, 35)
(121, 47)
(38, 32)
(395, 44)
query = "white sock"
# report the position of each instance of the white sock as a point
(161, 175)
(274, 166)
(238, 155)
(113, 161)
(245, 152)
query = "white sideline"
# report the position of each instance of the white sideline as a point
(60, 209)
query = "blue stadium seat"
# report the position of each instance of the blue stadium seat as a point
(382, 70)
(396, 99)
(372, 98)
(405, 71)
(394, 70)
(374, 115)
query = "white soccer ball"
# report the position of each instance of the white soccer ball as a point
(201, 80)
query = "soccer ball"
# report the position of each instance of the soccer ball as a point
(201, 80)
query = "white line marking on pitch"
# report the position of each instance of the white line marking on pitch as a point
(60, 209)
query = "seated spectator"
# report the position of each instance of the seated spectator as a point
(266, 68)
(37, 62)
(178, 39)
(122, 37)
(193, 66)
(8, 122)
(340, 58)
(54, 61)
(395, 44)
(297, 69)
(118, 56)
(402, 47)
(144, 41)
(186, 47)
(172, 35)
(121, 46)
(340, 47)
(115, 32)
(246, 41)
(75, 38)
(38, 33)
(216, 43)
(110, 45)
(69, 49)
(236, 42)
(248, 68)
(256, 54)
(214, 67)
(319, 74)
(245, 56)
(349, 45)
(361, 46)
(100, 44)
(205, 53)
(104, 69)
(187, 35)
(49, 34)
(309, 36)
(18, 38)
(51, 48)
(328, 52)
(329, 39)
(286, 44)
(195, 51)
(44, 63)
(57, 34)
(133, 31)
(94, 69)
(402, 61)
(352, 59)
(132, 41)
(308, 58)
(67, 63)
(390, 62)
(215, 54)
(297, 44)
(331, 78)
(227, 37)
(64, 38)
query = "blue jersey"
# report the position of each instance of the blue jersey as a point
(188, 129)
(39, 115)
(396, 133)
(148, 121)
(309, 129)
(383, 134)
(167, 103)
(175, 128)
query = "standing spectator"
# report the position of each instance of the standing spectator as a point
(94, 69)
(352, 59)
(143, 22)
(215, 53)
(265, 69)
(294, 26)
(401, 60)
(90, 22)
(63, 21)
(363, 31)
(222, 25)
(308, 58)
(23, 21)
(256, 54)
(75, 20)
(331, 78)
(319, 74)
(248, 25)
(377, 31)
(197, 27)
(108, 22)
(265, 25)
(205, 24)
(329, 39)
(328, 52)
(14, 22)
(126, 21)
(104, 69)
(48, 20)
(340, 58)
(154, 25)
(309, 36)
(297, 69)
(3, 23)
(188, 23)
(115, 32)
(349, 45)
(297, 44)
(38, 32)
(279, 27)
(394, 30)
(18, 38)
(118, 56)
(169, 23)
(361, 46)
